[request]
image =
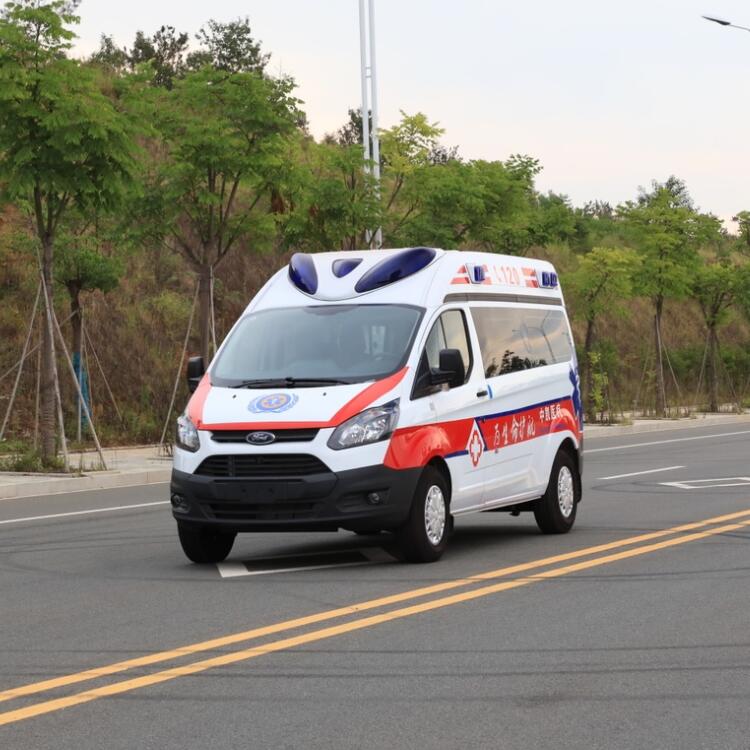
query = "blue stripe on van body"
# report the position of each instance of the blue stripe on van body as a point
(457, 453)
(541, 404)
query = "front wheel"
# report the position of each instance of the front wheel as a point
(204, 545)
(424, 537)
(555, 511)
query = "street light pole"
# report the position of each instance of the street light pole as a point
(375, 136)
(370, 93)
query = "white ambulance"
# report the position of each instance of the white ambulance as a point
(384, 390)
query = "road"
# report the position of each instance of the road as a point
(632, 631)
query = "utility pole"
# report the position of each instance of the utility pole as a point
(370, 94)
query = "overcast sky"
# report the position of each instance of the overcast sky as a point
(607, 95)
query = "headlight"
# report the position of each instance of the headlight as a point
(187, 436)
(368, 426)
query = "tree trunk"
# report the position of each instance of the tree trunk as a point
(48, 448)
(713, 369)
(661, 393)
(588, 376)
(204, 311)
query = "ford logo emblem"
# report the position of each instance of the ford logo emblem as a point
(260, 438)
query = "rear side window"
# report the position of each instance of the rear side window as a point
(513, 339)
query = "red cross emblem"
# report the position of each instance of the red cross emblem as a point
(476, 447)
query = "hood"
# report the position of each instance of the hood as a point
(217, 408)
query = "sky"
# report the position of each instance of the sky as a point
(608, 96)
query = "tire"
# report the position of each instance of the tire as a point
(202, 545)
(424, 537)
(555, 511)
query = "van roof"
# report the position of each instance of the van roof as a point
(419, 275)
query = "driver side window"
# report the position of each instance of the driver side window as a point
(448, 332)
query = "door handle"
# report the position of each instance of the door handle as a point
(482, 392)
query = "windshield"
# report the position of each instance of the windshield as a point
(310, 346)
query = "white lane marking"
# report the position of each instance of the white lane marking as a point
(234, 572)
(372, 555)
(92, 489)
(84, 512)
(639, 473)
(232, 569)
(586, 452)
(707, 484)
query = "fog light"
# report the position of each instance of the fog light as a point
(179, 503)
(374, 498)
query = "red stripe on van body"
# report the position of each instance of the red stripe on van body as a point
(500, 430)
(413, 447)
(197, 400)
(363, 400)
(353, 407)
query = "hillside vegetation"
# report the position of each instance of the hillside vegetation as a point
(164, 182)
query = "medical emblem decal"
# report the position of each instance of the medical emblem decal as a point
(475, 446)
(274, 403)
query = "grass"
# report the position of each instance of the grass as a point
(29, 461)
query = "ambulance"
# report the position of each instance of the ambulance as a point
(384, 390)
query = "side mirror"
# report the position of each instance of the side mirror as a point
(451, 370)
(195, 372)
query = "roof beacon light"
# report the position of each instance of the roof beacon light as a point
(547, 279)
(395, 268)
(477, 274)
(344, 266)
(302, 273)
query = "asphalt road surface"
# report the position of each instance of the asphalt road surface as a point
(632, 631)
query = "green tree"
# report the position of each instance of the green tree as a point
(432, 196)
(229, 46)
(221, 146)
(64, 144)
(109, 55)
(166, 51)
(743, 222)
(331, 199)
(504, 223)
(601, 284)
(405, 148)
(666, 230)
(81, 267)
(719, 284)
(555, 220)
(456, 204)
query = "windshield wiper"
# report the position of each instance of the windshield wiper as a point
(289, 382)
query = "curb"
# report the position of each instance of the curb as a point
(105, 480)
(595, 432)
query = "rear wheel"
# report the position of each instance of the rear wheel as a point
(555, 511)
(203, 545)
(424, 537)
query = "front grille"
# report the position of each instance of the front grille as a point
(262, 465)
(260, 511)
(303, 435)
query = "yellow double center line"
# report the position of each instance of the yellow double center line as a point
(646, 544)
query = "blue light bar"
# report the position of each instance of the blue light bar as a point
(395, 268)
(549, 280)
(344, 266)
(302, 273)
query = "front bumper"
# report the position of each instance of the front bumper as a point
(316, 502)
